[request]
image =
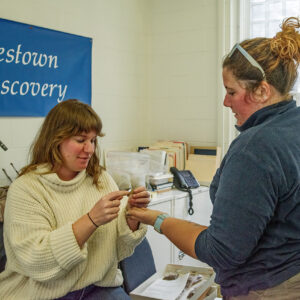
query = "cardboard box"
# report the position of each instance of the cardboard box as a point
(205, 292)
(203, 163)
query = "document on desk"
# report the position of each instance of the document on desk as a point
(166, 289)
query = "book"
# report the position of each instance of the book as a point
(176, 150)
(162, 191)
(156, 193)
(179, 148)
(172, 154)
(161, 186)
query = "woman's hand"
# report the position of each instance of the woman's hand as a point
(143, 215)
(107, 208)
(139, 197)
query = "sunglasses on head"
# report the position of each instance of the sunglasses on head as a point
(251, 60)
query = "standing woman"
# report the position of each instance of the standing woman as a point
(65, 226)
(253, 241)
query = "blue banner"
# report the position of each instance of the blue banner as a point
(40, 67)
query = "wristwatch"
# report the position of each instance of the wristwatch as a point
(160, 218)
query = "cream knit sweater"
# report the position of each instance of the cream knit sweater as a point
(44, 260)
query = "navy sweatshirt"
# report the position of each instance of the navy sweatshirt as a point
(253, 241)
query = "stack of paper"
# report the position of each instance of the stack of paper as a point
(166, 289)
(176, 152)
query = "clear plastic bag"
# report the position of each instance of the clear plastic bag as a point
(128, 169)
(158, 163)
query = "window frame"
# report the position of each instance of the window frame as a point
(245, 31)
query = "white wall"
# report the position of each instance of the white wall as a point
(153, 69)
(182, 71)
(118, 67)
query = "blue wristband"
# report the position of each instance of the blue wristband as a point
(160, 218)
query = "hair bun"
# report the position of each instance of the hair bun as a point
(286, 43)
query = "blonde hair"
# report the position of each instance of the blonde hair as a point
(278, 56)
(66, 119)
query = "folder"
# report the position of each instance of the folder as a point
(204, 166)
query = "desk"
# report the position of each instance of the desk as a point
(175, 203)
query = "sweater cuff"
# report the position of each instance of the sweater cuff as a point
(126, 233)
(65, 248)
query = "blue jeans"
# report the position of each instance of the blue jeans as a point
(93, 292)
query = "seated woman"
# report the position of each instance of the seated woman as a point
(65, 224)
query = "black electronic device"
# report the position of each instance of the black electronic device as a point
(3, 146)
(185, 181)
